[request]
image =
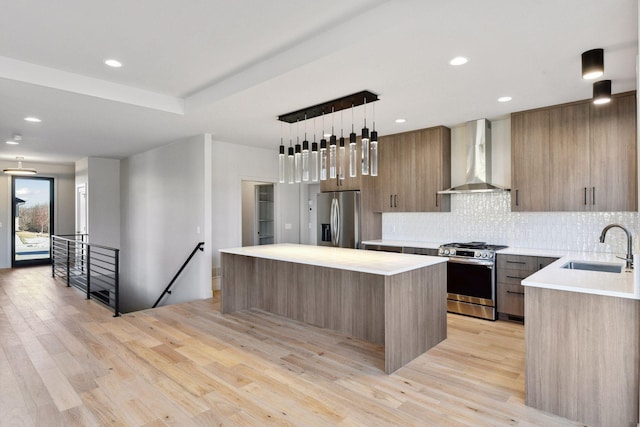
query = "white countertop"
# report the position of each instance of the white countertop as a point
(621, 285)
(374, 262)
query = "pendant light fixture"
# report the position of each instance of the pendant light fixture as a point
(314, 155)
(330, 161)
(374, 146)
(602, 92)
(332, 150)
(20, 170)
(352, 150)
(290, 164)
(298, 156)
(305, 154)
(281, 163)
(364, 148)
(323, 154)
(341, 149)
(592, 64)
(281, 160)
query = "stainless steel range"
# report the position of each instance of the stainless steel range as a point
(471, 278)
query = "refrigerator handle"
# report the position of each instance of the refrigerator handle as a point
(334, 222)
(337, 243)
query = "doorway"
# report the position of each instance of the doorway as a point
(258, 213)
(32, 225)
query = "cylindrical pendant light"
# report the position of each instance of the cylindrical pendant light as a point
(305, 160)
(341, 149)
(602, 92)
(305, 154)
(592, 64)
(298, 162)
(374, 146)
(332, 150)
(290, 165)
(364, 146)
(323, 159)
(281, 163)
(352, 150)
(314, 161)
(314, 155)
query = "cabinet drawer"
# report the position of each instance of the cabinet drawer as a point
(517, 262)
(511, 276)
(511, 299)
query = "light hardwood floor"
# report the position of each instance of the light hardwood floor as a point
(66, 361)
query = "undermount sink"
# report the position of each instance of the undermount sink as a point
(594, 266)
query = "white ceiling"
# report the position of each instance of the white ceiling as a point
(229, 68)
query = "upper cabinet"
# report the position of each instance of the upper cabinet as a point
(575, 157)
(413, 167)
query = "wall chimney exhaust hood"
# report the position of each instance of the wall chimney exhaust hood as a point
(478, 161)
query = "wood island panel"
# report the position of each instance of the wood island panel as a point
(406, 312)
(583, 356)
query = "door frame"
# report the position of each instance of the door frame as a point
(30, 262)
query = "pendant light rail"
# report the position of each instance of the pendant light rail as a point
(329, 107)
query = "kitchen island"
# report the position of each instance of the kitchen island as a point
(582, 342)
(394, 300)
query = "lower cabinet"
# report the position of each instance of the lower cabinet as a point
(512, 269)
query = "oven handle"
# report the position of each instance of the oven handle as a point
(472, 261)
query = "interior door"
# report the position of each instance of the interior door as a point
(32, 225)
(81, 206)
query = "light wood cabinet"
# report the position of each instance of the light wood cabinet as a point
(569, 158)
(613, 158)
(575, 157)
(512, 269)
(413, 167)
(530, 161)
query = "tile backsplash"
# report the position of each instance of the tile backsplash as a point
(487, 217)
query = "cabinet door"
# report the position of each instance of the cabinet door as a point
(545, 261)
(433, 169)
(403, 176)
(569, 158)
(613, 155)
(530, 161)
(384, 188)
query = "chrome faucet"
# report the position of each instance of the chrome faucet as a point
(629, 258)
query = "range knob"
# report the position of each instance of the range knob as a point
(485, 255)
(446, 251)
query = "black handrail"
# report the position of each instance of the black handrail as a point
(199, 246)
(92, 268)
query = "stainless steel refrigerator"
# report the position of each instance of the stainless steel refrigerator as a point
(339, 219)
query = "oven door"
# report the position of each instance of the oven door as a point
(471, 287)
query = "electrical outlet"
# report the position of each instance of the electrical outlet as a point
(287, 226)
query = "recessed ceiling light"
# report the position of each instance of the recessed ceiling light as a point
(459, 60)
(113, 63)
(32, 119)
(400, 120)
(12, 142)
(504, 99)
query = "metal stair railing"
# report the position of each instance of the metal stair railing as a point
(92, 268)
(167, 290)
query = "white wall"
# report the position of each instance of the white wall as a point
(64, 203)
(102, 179)
(165, 212)
(233, 163)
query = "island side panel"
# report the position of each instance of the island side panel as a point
(415, 314)
(582, 356)
(342, 300)
(238, 286)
